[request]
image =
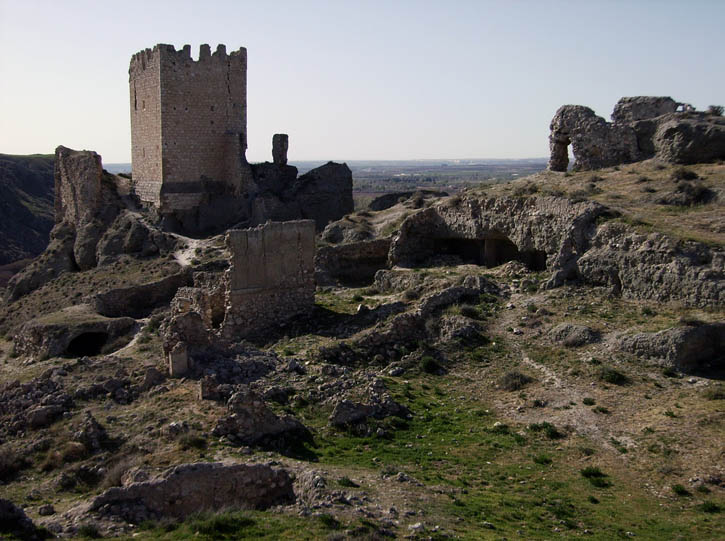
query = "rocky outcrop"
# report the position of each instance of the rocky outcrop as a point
(323, 194)
(595, 142)
(191, 488)
(251, 422)
(353, 263)
(572, 336)
(388, 200)
(31, 405)
(690, 138)
(636, 108)
(138, 301)
(643, 127)
(654, 266)
(692, 348)
(54, 261)
(542, 232)
(74, 331)
(130, 234)
(575, 241)
(378, 404)
(90, 225)
(91, 434)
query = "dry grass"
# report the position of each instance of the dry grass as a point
(634, 190)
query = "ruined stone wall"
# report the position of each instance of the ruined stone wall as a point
(77, 185)
(643, 127)
(271, 277)
(188, 124)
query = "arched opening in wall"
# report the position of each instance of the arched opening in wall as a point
(491, 250)
(87, 344)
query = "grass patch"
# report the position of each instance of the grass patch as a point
(610, 375)
(514, 381)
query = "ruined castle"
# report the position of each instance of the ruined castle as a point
(189, 139)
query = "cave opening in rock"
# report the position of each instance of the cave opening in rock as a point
(86, 344)
(490, 251)
(361, 271)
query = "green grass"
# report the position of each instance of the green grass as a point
(239, 525)
(474, 471)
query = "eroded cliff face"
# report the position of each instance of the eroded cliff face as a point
(93, 225)
(570, 240)
(542, 232)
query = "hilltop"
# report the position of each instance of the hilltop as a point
(563, 379)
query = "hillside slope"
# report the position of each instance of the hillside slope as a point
(26, 205)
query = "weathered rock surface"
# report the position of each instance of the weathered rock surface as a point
(324, 194)
(87, 231)
(635, 108)
(595, 142)
(54, 261)
(32, 405)
(353, 264)
(573, 336)
(654, 266)
(690, 138)
(542, 232)
(689, 348)
(191, 488)
(564, 237)
(138, 301)
(643, 127)
(388, 200)
(73, 331)
(129, 234)
(346, 231)
(91, 434)
(378, 404)
(251, 422)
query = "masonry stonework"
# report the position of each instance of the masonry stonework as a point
(188, 125)
(271, 276)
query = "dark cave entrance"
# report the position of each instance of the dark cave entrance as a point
(87, 344)
(491, 251)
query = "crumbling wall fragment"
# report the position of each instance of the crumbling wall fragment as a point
(643, 127)
(271, 276)
(280, 144)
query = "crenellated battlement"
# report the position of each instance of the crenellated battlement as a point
(167, 53)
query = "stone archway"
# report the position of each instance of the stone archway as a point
(559, 160)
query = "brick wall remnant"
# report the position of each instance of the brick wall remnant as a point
(271, 276)
(280, 144)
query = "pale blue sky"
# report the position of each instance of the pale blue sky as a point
(360, 79)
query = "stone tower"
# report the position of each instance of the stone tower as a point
(188, 125)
